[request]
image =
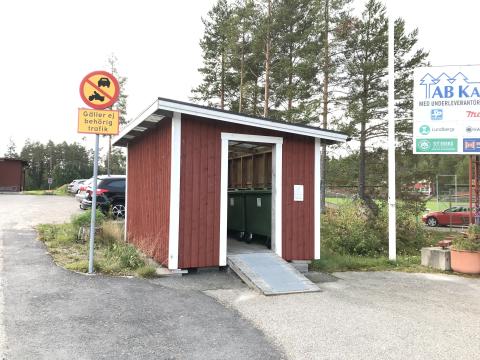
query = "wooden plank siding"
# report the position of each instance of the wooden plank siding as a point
(11, 175)
(148, 203)
(200, 191)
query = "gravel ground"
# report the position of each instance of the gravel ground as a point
(384, 315)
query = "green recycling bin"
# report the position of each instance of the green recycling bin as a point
(258, 212)
(236, 212)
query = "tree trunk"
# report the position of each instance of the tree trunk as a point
(326, 79)
(267, 61)
(290, 82)
(361, 171)
(255, 97)
(242, 65)
(222, 84)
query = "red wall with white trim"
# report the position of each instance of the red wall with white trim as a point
(199, 234)
(148, 205)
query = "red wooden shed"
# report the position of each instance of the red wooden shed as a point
(12, 174)
(178, 179)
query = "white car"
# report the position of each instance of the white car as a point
(82, 190)
(74, 186)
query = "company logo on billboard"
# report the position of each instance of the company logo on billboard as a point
(425, 129)
(436, 114)
(473, 114)
(470, 129)
(446, 86)
(471, 145)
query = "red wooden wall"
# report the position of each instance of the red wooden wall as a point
(148, 203)
(200, 191)
(11, 175)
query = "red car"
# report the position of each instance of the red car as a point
(456, 215)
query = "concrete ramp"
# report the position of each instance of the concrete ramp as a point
(270, 274)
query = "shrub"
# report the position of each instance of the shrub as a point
(469, 241)
(84, 218)
(348, 231)
(353, 230)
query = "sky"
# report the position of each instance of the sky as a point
(47, 47)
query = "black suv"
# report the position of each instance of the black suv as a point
(110, 195)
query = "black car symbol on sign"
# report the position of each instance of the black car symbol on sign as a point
(103, 82)
(96, 96)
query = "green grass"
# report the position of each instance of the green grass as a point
(337, 200)
(61, 191)
(112, 255)
(432, 205)
(337, 263)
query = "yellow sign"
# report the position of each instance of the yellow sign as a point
(104, 122)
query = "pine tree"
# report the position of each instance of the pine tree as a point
(120, 104)
(365, 78)
(216, 87)
(294, 60)
(11, 150)
(332, 17)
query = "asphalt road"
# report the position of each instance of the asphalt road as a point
(47, 312)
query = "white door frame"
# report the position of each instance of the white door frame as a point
(276, 189)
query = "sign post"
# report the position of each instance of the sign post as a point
(99, 90)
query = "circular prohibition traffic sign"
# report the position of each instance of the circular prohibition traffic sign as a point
(99, 89)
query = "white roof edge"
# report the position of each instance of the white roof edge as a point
(232, 118)
(140, 118)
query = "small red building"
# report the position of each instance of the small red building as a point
(178, 179)
(12, 174)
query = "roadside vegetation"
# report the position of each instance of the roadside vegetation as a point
(113, 255)
(61, 190)
(355, 239)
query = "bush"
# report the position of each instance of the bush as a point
(469, 241)
(84, 218)
(352, 230)
(347, 231)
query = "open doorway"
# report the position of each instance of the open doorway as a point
(271, 180)
(249, 215)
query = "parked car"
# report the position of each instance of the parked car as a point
(456, 215)
(82, 191)
(110, 195)
(74, 186)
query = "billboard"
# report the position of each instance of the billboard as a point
(446, 111)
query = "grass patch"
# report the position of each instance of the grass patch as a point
(61, 191)
(432, 205)
(112, 255)
(146, 271)
(338, 263)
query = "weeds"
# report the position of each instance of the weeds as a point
(112, 254)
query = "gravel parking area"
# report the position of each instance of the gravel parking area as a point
(383, 315)
(26, 211)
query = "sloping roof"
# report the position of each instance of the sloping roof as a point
(164, 108)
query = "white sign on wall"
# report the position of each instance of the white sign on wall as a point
(297, 192)
(446, 111)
